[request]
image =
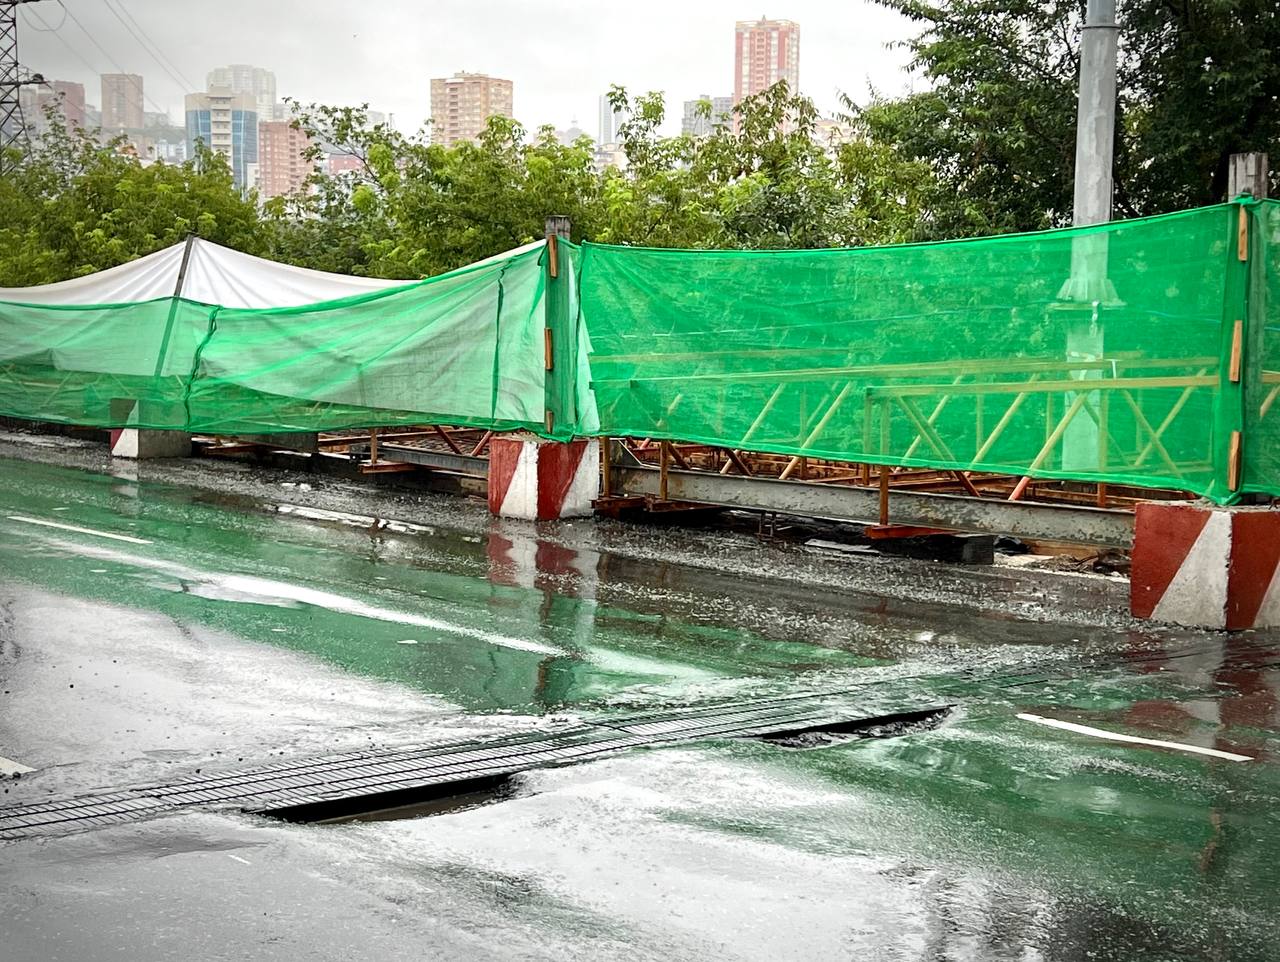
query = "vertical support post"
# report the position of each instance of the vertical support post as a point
(1248, 174)
(606, 467)
(1089, 287)
(884, 495)
(561, 336)
(1243, 326)
(1096, 115)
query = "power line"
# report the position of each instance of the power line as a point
(111, 60)
(147, 44)
(46, 28)
(57, 32)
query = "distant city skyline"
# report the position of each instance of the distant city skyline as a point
(558, 60)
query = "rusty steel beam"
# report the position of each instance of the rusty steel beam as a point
(1044, 522)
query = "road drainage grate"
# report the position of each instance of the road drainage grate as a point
(368, 782)
(887, 726)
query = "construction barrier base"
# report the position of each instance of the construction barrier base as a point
(143, 445)
(1203, 566)
(542, 480)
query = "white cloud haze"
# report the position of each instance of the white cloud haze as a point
(560, 55)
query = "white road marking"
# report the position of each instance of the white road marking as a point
(243, 861)
(72, 527)
(9, 768)
(263, 591)
(1133, 739)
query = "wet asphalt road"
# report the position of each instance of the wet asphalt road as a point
(204, 616)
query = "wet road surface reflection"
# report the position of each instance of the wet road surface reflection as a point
(230, 629)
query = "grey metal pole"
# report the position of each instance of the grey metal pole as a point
(1096, 115)
(1089, 289)
(1248, 174)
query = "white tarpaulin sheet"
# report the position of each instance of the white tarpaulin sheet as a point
(214, 275)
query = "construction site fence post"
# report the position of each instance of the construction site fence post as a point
(560, 334)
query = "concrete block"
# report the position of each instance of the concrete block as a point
(144, 445)
(542, 480)
(1205, 566)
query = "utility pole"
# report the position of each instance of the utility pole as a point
(1089, 290)
(13, 127)
(1096, 115)
(1248, 174)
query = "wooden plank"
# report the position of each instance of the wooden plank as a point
(1050, 443)
(386, 467)
(1233, 462)
(1044, 387)
(1237, 351)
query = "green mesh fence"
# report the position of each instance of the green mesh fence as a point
(464, 348)
(1105, 354)
(1262, 355)
(1093, 354)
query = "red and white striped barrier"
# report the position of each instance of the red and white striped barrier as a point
(1205, 566)
(543, 480)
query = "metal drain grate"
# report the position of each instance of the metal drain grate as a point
(386, 777)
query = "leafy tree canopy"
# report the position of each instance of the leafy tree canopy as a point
(985, 146)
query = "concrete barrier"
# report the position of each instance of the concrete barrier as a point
(1204, 566)
(542, 480)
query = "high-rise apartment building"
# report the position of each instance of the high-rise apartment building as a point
(765, 51)
(67, 96)
(122, 102)
(282, 168)
(243, 78)
(696, 123)
(227, 122)
(607, 123)
(461, 105)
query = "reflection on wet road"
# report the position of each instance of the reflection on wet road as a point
(147, 628)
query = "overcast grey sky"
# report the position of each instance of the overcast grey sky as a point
(561, 55)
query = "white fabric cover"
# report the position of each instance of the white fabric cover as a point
(145, 279)
(215, 275)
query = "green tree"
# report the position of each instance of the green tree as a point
(1197, 82)
(413, 208)
(76, 206)
(770, 183)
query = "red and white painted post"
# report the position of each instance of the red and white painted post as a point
(1205, 566)
(543, 479)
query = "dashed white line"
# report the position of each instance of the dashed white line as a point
(72, 527)
(1133, 739)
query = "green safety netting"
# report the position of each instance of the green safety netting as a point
(463, 348)
(1102, 354)
(1262, 356)
(1093, 354)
